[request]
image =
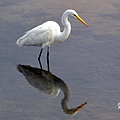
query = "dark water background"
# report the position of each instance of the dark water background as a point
(88, 62)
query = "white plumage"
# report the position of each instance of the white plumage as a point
(42, 35)
(49, 32)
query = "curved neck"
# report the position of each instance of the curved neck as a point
(67, 29)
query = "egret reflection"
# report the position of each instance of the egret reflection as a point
(50, 84)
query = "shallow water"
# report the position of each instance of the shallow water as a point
(88, 62)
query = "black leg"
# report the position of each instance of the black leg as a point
(40, 57)
(48, 58)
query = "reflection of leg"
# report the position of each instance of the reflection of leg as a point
(48, 58)
(40, 57)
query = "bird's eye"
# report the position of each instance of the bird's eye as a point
(74, 15)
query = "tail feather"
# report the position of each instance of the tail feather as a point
(21, 41)
(18, 42)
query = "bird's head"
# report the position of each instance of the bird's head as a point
(75, 14)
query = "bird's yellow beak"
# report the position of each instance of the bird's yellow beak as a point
(81, 20)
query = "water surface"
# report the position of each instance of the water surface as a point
(88, 62)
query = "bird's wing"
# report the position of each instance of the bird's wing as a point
(37, 36)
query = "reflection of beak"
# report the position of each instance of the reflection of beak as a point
(81, 20)
(80, 107)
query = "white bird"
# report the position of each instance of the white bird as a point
(49, 33)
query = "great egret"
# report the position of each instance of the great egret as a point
(50, 84)
(49, 33)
